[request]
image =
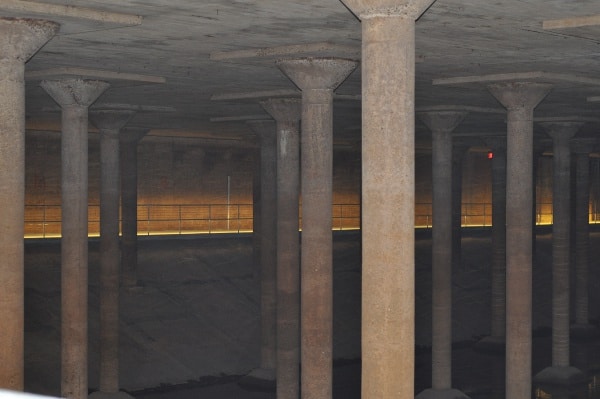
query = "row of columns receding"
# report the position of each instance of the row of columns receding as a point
(21, 38)
(298, 337)
(388, 259)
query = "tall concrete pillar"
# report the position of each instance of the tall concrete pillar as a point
(74, 96)
(265, 374)
(459, 149)
(287, 114)
(130, 137)
(496, 340)
(317, 78)
(19, 40)
(388, 185)
(561, 371)
(109, 123)
(441, 125)
(582, 147)
(520, 99)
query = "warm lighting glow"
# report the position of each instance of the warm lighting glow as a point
(490, 155)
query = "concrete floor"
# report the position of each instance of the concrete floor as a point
(196, 317)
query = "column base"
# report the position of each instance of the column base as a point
(110, 395)
(259, 379)
(555, 376)
(431, 393)
(583, 332)
(491, 344)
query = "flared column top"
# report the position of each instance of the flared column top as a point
(283, 110)
(317, 73)
(442, 121)
(107, 119)
(384, 8)
(75, 91)
(21, 38)
(519, 95)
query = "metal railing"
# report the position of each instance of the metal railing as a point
(44, 221)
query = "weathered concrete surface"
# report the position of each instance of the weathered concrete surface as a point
(581, 148)
(561, 134)
(19, 40)
(317, 78)
(441, 124)
(266, 132)
(520, 99)
(109, 123)
(74, 96)
(388, 168)
(287, 114)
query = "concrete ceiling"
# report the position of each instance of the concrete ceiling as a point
(210, 49)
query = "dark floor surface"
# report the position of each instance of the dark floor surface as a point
(477, 374)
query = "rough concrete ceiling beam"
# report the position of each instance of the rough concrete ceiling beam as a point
(572, 22)
(566, 119)
(23, 8)
(119, 107)
(534, 76)
(256, 95)
(465, 108)
(279, 51)
(86, 73)
(241, 118)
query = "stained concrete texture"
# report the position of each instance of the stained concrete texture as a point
(193, 330)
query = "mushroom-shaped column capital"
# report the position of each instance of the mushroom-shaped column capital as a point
(21, 38)
(386, 8)
(561, 130)
(74, 92)
(317, 73)
(283, 110)
(110, 120)
(519, 95)
(442, 121)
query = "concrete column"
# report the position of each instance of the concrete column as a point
(109, 123)
(130, 137)
(19, 40)
(388, 185)
(582, 147)
(265, 374)
(317, 78)
(441, 125)
(287, 114)
(459, 149)
(560, 371)
(496, 341)
(520, 99)
(74, 96)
